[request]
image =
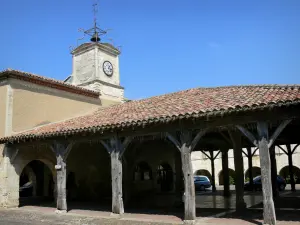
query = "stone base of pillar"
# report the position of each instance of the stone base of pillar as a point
(240, 206)
(189, 221)
(59, 211)
(115, 215)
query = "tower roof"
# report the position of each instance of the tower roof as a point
(106, 46)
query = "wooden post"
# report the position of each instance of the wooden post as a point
(61, 151)
(239, 170)
(265, 163)
(61, 174)
(225, 170)
(273, 171)
(212, 163)
(189, 187)
(116, 177)
(185, 144)
(264, 143)
(291, 170)
(116, 149)
(249, 156)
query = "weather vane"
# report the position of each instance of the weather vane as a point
(95, 32)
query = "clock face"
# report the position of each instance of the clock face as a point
(108, 68)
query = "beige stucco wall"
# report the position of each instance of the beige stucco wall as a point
(3, 97)
(35, 105)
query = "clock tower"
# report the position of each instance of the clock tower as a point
(96, 67)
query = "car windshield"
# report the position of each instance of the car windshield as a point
(257, 178)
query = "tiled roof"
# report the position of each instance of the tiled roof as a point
(192, 103)
(48, 82)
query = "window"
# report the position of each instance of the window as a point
(143, 172)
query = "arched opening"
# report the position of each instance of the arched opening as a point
(255, 172)
(165, 177)
(204, 173)
(231, 177)
(36, 185)
(285, 173)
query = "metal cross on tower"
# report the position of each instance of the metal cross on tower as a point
(95, 32)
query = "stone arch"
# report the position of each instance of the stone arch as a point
(203, 172)
(26, 176)
(285, 173)
(14, 162)
(40, 180)
(255, 172)
(231, 177)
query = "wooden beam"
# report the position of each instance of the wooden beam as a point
(225, 170)
(265, 163)
(245, 153)
(125, 145)
(250, 166)
(294, 149)
(217, 154)
(247, 134)
(106, 146)
(227, 139)
(205, 154)
(254, 152)
(212, 163)
(291, 170)
(174, 141)
(283, 149)
(277, 132)
(196, 139)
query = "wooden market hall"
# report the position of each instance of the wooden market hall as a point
(122, 140)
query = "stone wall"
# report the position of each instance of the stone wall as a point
(12, 163)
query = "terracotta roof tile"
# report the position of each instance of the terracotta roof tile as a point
(192, 102)
(48, 82)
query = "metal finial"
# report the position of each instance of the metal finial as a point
(95, 32)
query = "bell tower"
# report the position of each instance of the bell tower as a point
(96, 65)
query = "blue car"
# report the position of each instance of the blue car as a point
(257, 186)
(201, 183)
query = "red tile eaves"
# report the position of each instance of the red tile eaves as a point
(195, 102)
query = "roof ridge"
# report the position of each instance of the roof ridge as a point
(47, 79)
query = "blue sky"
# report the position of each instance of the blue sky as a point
(167, 45)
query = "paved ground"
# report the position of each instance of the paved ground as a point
(212, 209)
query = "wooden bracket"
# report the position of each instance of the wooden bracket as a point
(62, 149)
(114, 144)
(278, 130)
(248, 134)
(180, 142)
(294, 149)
